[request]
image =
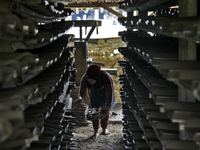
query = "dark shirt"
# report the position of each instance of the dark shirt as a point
(105, 80)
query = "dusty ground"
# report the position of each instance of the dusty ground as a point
(114, 141)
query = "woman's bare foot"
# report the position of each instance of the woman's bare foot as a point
(105, 132)
(95, 135)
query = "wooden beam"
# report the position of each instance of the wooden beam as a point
(90, 5)
(96, 5)
(108, 9)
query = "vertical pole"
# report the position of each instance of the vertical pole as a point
(81, 55)
(187, 49)
(187, 52)
(80, 59)
(81, 35)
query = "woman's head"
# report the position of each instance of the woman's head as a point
(93, 72)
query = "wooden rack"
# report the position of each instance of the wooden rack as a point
(160, 84)
(36, 77)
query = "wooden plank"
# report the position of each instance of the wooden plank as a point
(108, 9)
(90, 5)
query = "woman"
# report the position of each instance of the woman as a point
(99, 85)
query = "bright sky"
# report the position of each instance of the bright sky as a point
(107, 30)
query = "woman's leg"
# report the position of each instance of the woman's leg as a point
(104, 124)
(95, 124)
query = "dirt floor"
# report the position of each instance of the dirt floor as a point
(114, 141)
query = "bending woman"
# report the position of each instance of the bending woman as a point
(99, 85)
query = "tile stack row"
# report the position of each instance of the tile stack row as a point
(36, 76)
(153, 116)
(160, 86)
(150, 96)
(143, 95)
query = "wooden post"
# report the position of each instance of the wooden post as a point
(81, 55)
(187, 52)
(187, 49)
(80, 59)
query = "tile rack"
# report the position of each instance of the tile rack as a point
(36, 77)
(155, 117)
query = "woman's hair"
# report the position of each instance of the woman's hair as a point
(93, 72)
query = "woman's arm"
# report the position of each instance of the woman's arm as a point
(82, 91)
(83, 88)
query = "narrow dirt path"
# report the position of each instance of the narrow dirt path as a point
(114, 141)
